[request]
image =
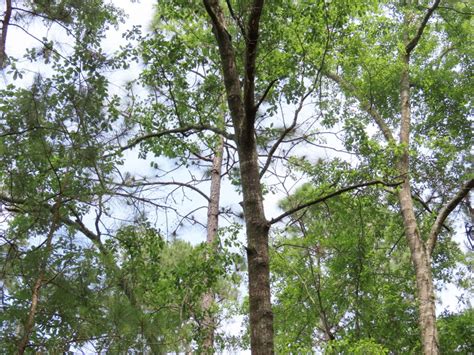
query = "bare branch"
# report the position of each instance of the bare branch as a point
(328, 196)
(163, 183)
(37, 14)
(285, 132)
(444, 213)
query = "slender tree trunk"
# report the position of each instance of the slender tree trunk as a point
(30, 321)
(420, 257)
(36, 290)
(424, 279)
(212, 227)
(3, 37)
(420, 251)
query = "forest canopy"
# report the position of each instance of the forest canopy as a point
(279, 177)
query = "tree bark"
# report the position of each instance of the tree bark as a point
(420, 257)
(212, 227)
(241, 102)
(3, 38)
(424, 279)
(257, 228)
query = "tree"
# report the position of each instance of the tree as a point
(66, 15)
(415, 108)
(70, 135)
(347, 269)
(242, 76)
(456, 332)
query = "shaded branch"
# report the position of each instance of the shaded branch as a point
(444, 213)
(365, 105)
(267, 90)
(10, 200)
(159, 134)
(468, 13)
(328, 196)
(236, 19)
(412, 44)
(79, 225)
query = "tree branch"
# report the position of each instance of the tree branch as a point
(284, 133)
(267, 90)
(412, 44)
(159, 134)
(8, 200)
(229, 65)
(444, 213)
(328, 196)
(236, 19)
(163, 183)
(365, 105)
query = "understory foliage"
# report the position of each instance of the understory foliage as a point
(95, 256)
(342, 277)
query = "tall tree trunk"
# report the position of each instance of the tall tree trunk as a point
(241, 102)
(212, 227)
(257, 228)
(424, 279)
(419, 249)
(420, 257)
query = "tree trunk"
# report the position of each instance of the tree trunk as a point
(30, 321)
(424, 279)
(35, 292)
(241, 102)
(212, 226)
(257, 228)
(420, 258)
(3, 37)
